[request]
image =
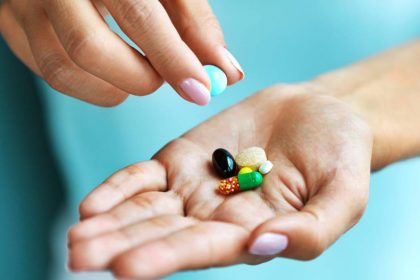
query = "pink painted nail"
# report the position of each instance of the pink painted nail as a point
(234, 62)
(198, 92)
(269, 244)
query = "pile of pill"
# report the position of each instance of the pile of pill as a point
(252, 164)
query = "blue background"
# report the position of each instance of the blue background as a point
(55, 149)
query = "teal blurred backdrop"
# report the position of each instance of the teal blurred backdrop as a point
(54, 149)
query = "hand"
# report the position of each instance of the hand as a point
(69, 44)
(160, 216)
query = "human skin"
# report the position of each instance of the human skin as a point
(324, 137)
(69, 44)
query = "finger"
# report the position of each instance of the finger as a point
(149, 26)
(97, 253)
(95, 48)
(137, 178)
(15, 37)
(306, 234)
(202, 245)
(101, 8)
(200, 30)
(59, 71)
(138, 208)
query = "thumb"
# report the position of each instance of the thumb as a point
(305, 234)
(200, 30)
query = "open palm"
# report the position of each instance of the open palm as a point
(156, 217)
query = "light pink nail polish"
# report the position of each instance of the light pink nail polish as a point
(198, 92)
(269, 244)
(234, 62)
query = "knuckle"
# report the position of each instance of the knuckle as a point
(210, 21)
(163, 222)
(143, 202)
(82, 47)
(136, 14)
(55, 71)
(134, 170)
(207, 23)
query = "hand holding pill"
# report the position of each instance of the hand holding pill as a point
(59, 41)
(288, 194)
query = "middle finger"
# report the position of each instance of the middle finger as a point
(94, 47)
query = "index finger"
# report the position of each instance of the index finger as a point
(149, 26)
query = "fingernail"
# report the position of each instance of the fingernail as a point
(234, 62)
(269, 244)
(198, 92)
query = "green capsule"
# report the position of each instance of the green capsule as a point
(249, 181)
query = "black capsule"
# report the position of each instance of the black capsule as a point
(224, 163)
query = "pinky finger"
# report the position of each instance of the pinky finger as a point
(15, 37)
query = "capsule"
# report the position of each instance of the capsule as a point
(223, 163)
(242, 182)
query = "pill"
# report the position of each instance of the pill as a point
(223, 163)
(266, 167)
(245, 170)
(251, 157)
(218, 79)
(242, 182)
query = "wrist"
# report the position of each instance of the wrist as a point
(387, 102)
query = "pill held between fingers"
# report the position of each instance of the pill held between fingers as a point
(218, 79)
(266, 167)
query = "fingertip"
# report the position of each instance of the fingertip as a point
(196, 91)
(87, 208)
(295, 235)
(87, 255)
(99, 201)
(126, 267)
(237, 73)
(267, 244)
(89, 228)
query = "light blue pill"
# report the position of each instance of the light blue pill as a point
(218, 79)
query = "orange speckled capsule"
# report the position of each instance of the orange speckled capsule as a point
(242, 182)
(228, 186)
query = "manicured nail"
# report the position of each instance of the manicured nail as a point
(198, 92)
(269, 244)
(234, 62)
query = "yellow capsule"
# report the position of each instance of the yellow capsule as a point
(245, 170)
